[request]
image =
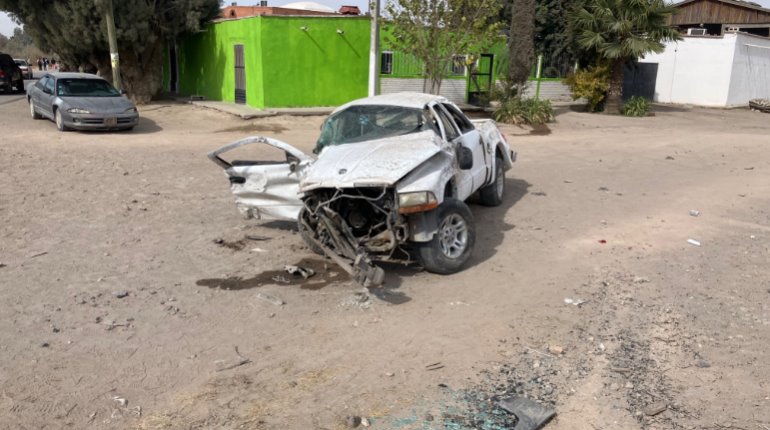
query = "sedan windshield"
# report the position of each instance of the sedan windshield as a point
(85, 88)
(362, 123)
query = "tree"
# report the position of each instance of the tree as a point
(553, 37)
(436, 31)
(76, 32)
(619, 31)
(521, 43)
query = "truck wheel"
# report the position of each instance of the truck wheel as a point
(307, 235)
(492, 194)
(20, 86)
(452, 244)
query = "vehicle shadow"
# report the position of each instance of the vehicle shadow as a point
(491, 224)
(490, 228)
(146, 126)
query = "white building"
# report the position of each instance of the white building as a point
(718, 71)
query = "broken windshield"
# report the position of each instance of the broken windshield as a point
(371, 122)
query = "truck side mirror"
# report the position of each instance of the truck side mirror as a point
(464, 158)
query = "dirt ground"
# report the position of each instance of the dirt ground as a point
(134, 296)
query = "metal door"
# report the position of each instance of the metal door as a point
(240, 75)
(480, 78)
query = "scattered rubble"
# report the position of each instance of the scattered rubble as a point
(305, 272)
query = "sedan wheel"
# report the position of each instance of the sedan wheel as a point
(32, 111)
(60, 121)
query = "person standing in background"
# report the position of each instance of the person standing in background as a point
(39, 64)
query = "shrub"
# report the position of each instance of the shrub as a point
(591, 84)
(636, 106)
(518, 110)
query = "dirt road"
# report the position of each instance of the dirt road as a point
(132, 297)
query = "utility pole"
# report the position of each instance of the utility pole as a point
(114, 58)
(374, 47)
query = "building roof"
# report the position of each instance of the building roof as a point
(309, 5)
(719, 12)
(231, 12)
(740, 3)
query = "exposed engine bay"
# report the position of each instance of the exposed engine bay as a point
(359, 225)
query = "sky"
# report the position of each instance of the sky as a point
(7, 26)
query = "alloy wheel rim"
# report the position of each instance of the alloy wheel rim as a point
(58, 120)
(453, 236)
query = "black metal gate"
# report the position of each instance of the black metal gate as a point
(639, 79)
(240, 75)
(480, 79)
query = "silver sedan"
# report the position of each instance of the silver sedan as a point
(81, 101)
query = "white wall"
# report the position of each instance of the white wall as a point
(751, 70)
(713, 71)
(453, 89)
(695, 70)
(554, 91)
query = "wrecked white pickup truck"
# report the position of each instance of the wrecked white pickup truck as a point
(389, 183)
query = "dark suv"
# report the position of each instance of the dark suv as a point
(10, 74)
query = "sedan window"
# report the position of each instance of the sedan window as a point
(49, 85)
(41, 82)
(85, 88)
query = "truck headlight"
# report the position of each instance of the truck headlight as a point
(77, 110)
(409, 203)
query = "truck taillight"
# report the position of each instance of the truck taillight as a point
(2, 74)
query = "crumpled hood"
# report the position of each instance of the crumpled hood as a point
(113, 105)
(376, 162)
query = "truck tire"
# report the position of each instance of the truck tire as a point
(453, 242)
(492, 194)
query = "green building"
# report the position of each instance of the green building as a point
(275, 61)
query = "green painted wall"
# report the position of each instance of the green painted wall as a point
(285, 66)
(317, 67)
(207, 61)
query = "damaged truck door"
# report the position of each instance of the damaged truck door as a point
(265, 189)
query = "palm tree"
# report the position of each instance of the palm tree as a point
(618, 31)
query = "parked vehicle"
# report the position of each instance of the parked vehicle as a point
(81, 101)
(10, 75)
(26, 69)
(390, 182)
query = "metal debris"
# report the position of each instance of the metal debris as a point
(655, 408)
(299, 271)
(271, 299)
(434, 366)
(530, 414)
